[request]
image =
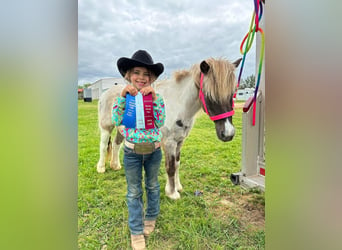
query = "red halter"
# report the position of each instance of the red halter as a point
(215, 117)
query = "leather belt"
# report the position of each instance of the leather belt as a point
(133, 145)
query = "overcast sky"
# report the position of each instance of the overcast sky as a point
(176, 33)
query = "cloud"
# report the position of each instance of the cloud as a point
(176, 33)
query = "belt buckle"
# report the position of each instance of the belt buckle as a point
(144, 148)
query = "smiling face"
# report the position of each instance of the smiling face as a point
(140, 77)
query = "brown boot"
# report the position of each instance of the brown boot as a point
(138, 242)
(149, 226)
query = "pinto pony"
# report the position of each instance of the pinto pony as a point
(209, 85)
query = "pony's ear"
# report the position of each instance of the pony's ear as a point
(237, 62)
(204, 67)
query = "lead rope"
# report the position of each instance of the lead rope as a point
(250, 37)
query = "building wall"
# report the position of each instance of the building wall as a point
(80, 94)
(102, 85)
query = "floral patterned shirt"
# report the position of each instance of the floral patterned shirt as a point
(140, 135)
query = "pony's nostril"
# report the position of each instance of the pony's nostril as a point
(228, 138)
(225, 137)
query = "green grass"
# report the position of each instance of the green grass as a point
(222, 218)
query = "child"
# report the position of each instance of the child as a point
(141, 72)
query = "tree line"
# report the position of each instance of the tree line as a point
(84, 86)
(249, 82)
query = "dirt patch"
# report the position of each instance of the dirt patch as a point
(252, 210)
(239, 105)
(248, 208)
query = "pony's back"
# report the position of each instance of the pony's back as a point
(105, 106)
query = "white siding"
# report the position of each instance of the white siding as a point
(102, 85)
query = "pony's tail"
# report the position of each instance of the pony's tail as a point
(109, 149)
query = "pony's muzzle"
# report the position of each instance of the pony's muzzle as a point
(225, 130)
(226, 138)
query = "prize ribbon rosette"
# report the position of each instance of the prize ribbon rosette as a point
(138, 112)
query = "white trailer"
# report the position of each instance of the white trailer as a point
(244, 94)
(252, 174)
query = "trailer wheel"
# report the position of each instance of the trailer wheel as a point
(235, 178)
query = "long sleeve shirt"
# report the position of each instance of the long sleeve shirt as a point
(140, 135)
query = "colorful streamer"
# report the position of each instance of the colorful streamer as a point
(257, 14)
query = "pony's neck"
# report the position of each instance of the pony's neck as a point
(189, 99)
(181, 100)
(192, 102)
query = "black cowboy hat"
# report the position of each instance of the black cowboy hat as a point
(141, 58)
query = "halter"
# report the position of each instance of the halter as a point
(215, 117)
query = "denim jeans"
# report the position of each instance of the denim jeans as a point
(134, 164)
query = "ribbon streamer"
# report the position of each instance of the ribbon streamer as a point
(256, 17)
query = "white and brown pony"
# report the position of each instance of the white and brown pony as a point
(209, 85)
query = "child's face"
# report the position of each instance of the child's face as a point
(140, 77)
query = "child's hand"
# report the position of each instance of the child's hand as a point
(129, 89)
(149, 90)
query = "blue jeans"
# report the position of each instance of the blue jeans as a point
(133, 164)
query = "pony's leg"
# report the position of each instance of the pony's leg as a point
(105, 135)
(115, 160)
(178, 185)
(170, 165)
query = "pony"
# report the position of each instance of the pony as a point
(209, 85)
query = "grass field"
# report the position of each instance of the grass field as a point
(224, 217)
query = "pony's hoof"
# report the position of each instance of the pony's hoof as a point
(174, 196)
(101, 169)
(179, 188)
(115, 166)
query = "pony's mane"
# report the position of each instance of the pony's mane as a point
(180, 75)
(219, 81)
